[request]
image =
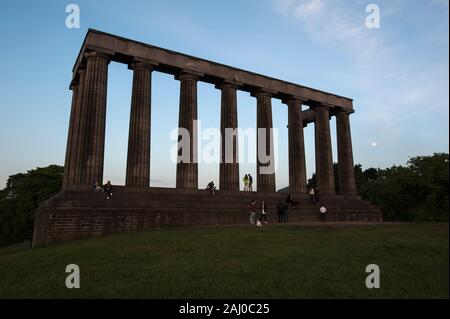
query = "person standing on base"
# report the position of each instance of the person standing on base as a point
(250, 183)
(245, 179)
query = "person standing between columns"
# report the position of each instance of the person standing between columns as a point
(265, 148)
(297, 163)
(138, 161)
(346, 169)
(187, 167)
(245, 180)
(250, 183)
(324, 157)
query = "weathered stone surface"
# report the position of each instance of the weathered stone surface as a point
(187, 172)
(229, 165)
(296, 149)
(324, 154)
(265, 180)
(138, 162)
(346, 170)
(79, 212)
(89, 157)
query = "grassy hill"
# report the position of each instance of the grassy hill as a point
(277, 261)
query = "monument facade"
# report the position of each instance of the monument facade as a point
(78, 212)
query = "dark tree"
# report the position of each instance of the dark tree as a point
(20, 199)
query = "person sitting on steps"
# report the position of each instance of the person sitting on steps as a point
(290, 200)
(96, 187)
(211, 187)
(108, 189)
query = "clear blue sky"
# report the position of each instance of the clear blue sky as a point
(398, 75)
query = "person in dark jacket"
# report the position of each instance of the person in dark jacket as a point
(290, 200)
(285, 217)
(108, 189)
(280, 208)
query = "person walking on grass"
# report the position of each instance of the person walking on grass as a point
(245, 179)
(263, 210)
(252, 211)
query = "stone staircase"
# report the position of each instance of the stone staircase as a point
(80, 213)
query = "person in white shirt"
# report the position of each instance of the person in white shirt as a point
(312, 195)
(323, 212)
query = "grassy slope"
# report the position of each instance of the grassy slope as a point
(238, 262)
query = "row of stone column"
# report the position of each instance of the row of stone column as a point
(85, 145)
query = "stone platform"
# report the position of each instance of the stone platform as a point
(80, 213)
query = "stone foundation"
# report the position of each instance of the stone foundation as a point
(75, 214)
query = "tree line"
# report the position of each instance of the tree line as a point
(417, 191)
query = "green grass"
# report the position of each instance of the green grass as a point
(238, 262)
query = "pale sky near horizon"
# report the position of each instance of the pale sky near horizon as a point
(398, 75)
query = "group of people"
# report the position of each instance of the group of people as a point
(282, 211)
(107, 189)
(253, 210)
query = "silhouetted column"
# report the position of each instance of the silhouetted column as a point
(187, 167)
(229, 165)
(297, 163)
(138, 161)
(324, 156)
(266, 160)
(69, 164)
(91, 144)
(346, 169)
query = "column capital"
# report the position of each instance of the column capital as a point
(341, 110)
(321, 106)
(97, 54)
(293, 99)
(140, 65)
(228, 84)
(188, 75)
(259, 92)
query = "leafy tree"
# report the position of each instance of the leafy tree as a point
(415, 192)
(20, 199)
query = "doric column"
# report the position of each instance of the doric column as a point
(324, 156)
(187, 167)
(265, 152)
(297, 163)
(346, 169)
(138, 161)
(91, 143)
(229, 165)
(69, 169)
